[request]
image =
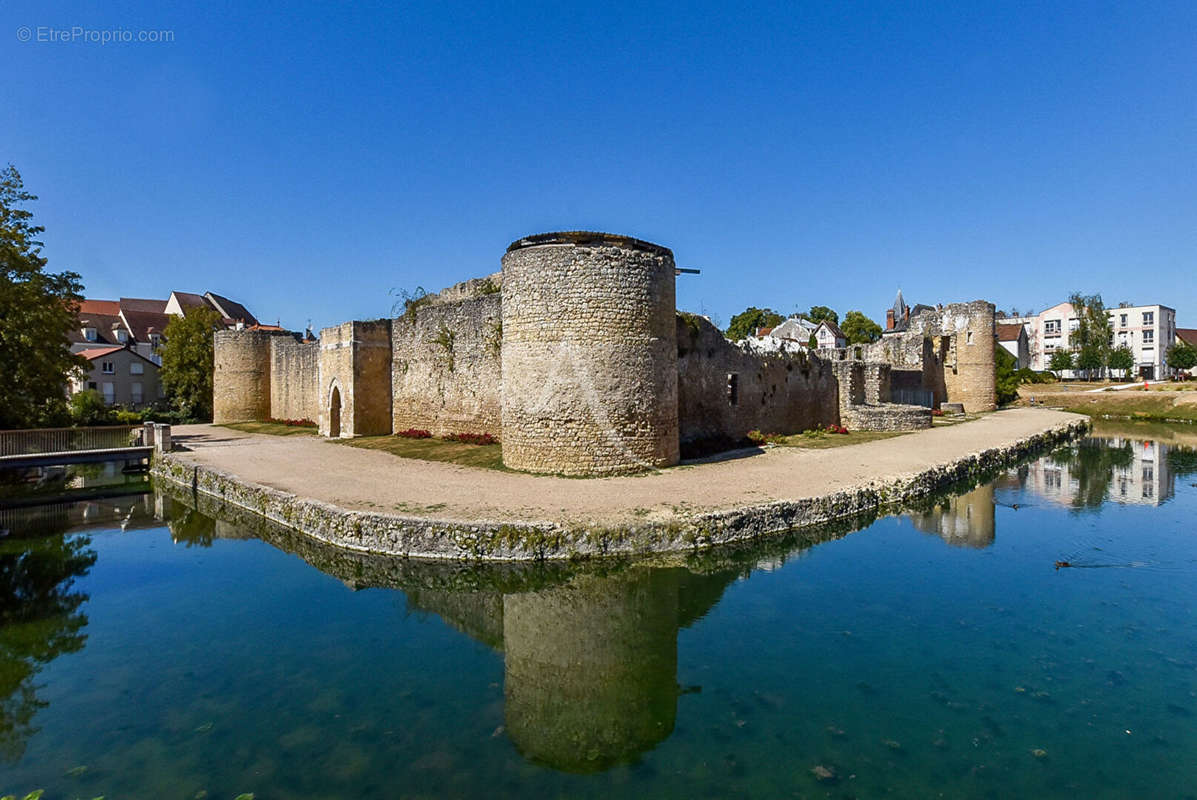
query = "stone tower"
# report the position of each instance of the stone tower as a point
(589, 355)
(241, 379)
(972, 382)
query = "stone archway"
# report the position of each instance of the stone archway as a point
(334, 413)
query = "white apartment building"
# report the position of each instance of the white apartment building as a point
(1147, 331)
(1147, 480)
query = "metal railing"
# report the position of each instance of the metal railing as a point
(913, 397)
(65, 440)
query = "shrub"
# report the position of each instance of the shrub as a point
(294, 423)
(126, 417)
(836, 429)
(756, 437)
(414, 433)
(472, 438)
(88, 408)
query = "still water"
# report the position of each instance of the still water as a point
(151, 650)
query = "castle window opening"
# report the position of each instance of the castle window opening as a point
(733, 388)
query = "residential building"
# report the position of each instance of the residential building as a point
(1146, 330)
(121, 375)
(829, 336)
(140, 324)
(1189, 337)
(1012, 336)
(898, 317)
(1146, 480)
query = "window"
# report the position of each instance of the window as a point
(89, 334)
(107, 367)
(109, 393)
(1148, 317)
(1122, 320)
(1073, 324)
(733, 388)
(136, 368)
(968, 339)
(136, 389)
(1051, 327)
(91, 385)
(122, 335)
(1148, 338)
(155, 339)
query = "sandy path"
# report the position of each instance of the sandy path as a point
(355, 478)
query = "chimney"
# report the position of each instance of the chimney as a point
(889, 319)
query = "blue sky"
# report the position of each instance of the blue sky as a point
(306, 159)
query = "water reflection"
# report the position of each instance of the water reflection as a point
(964, 520)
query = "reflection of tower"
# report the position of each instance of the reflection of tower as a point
(591, 664)
(965, 520)
(591, 669)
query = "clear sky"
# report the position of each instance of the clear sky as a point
(306, 159)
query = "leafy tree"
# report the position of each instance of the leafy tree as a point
(1182, 355)
(37, 310)
(1121, 358)
(1061, 360)
(813, 342)
(859, 329)
(88, 408)
(747, 321)
(186, 372)
(1005, 375)
(819, 313)
(1091, 339)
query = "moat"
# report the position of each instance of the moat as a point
(153, 649)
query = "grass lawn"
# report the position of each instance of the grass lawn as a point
(1129, 404)
(270, 428)
(489, 456)
(823, 441)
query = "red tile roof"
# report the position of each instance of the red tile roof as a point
(110, 307)
(96, 352)
(1188, 335)
(1008, 333)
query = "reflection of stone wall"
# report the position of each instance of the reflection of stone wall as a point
(445, 369)
(774, 392)
(589, 355)
(965, 520)
(591, 669)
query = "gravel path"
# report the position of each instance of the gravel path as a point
(360, 479)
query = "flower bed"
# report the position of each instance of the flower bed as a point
(414, 433)
(293, 423)
(471, 438)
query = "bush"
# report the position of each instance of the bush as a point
(294, 423)
(126, 417)
(88, 408)
(756, 437)
(414, 433)
(472, 438)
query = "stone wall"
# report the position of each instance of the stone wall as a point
(241, 376)
(355, 368)
(725, 391)
(589, 355)
(446, 372)
(294, 379)
(957, 342)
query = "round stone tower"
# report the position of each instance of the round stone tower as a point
(975, 379)
(241, 376)
(589, 355)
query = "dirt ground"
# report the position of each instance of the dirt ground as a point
(362, 479)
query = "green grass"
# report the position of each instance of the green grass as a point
(823, 441)
(489, 456)
(1132, 405)
(270, 428)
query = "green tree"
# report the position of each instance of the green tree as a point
(819, 313)
(1061, 360)
(1091, 339)
(37, 311)
(1121, 358)
(1182, 355)
(747, 321)
(88, 408)
(1005, 375)
(186, 372)
(859, 329)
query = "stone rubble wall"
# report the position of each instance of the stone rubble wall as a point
(355, 357)
(589, 355)
(417, 537)
(446, 371)
(241, 379)
(783, 392)
(294, 379)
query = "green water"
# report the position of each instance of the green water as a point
(148, 650)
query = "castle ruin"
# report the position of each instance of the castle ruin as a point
(575, 357)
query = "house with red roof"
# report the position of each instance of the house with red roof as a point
(120, 375)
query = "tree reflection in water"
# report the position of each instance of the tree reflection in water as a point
(39, 621)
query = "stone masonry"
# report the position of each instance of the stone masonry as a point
(575, 357)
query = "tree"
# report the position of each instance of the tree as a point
(37, 311)
(186, 372)
(1122, 358)
(747, 321)
(819, 313)
(1061, 360)
(1005, 375)
(859, 329)
(88, 408)
(1182, 355)
(1091, 339)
